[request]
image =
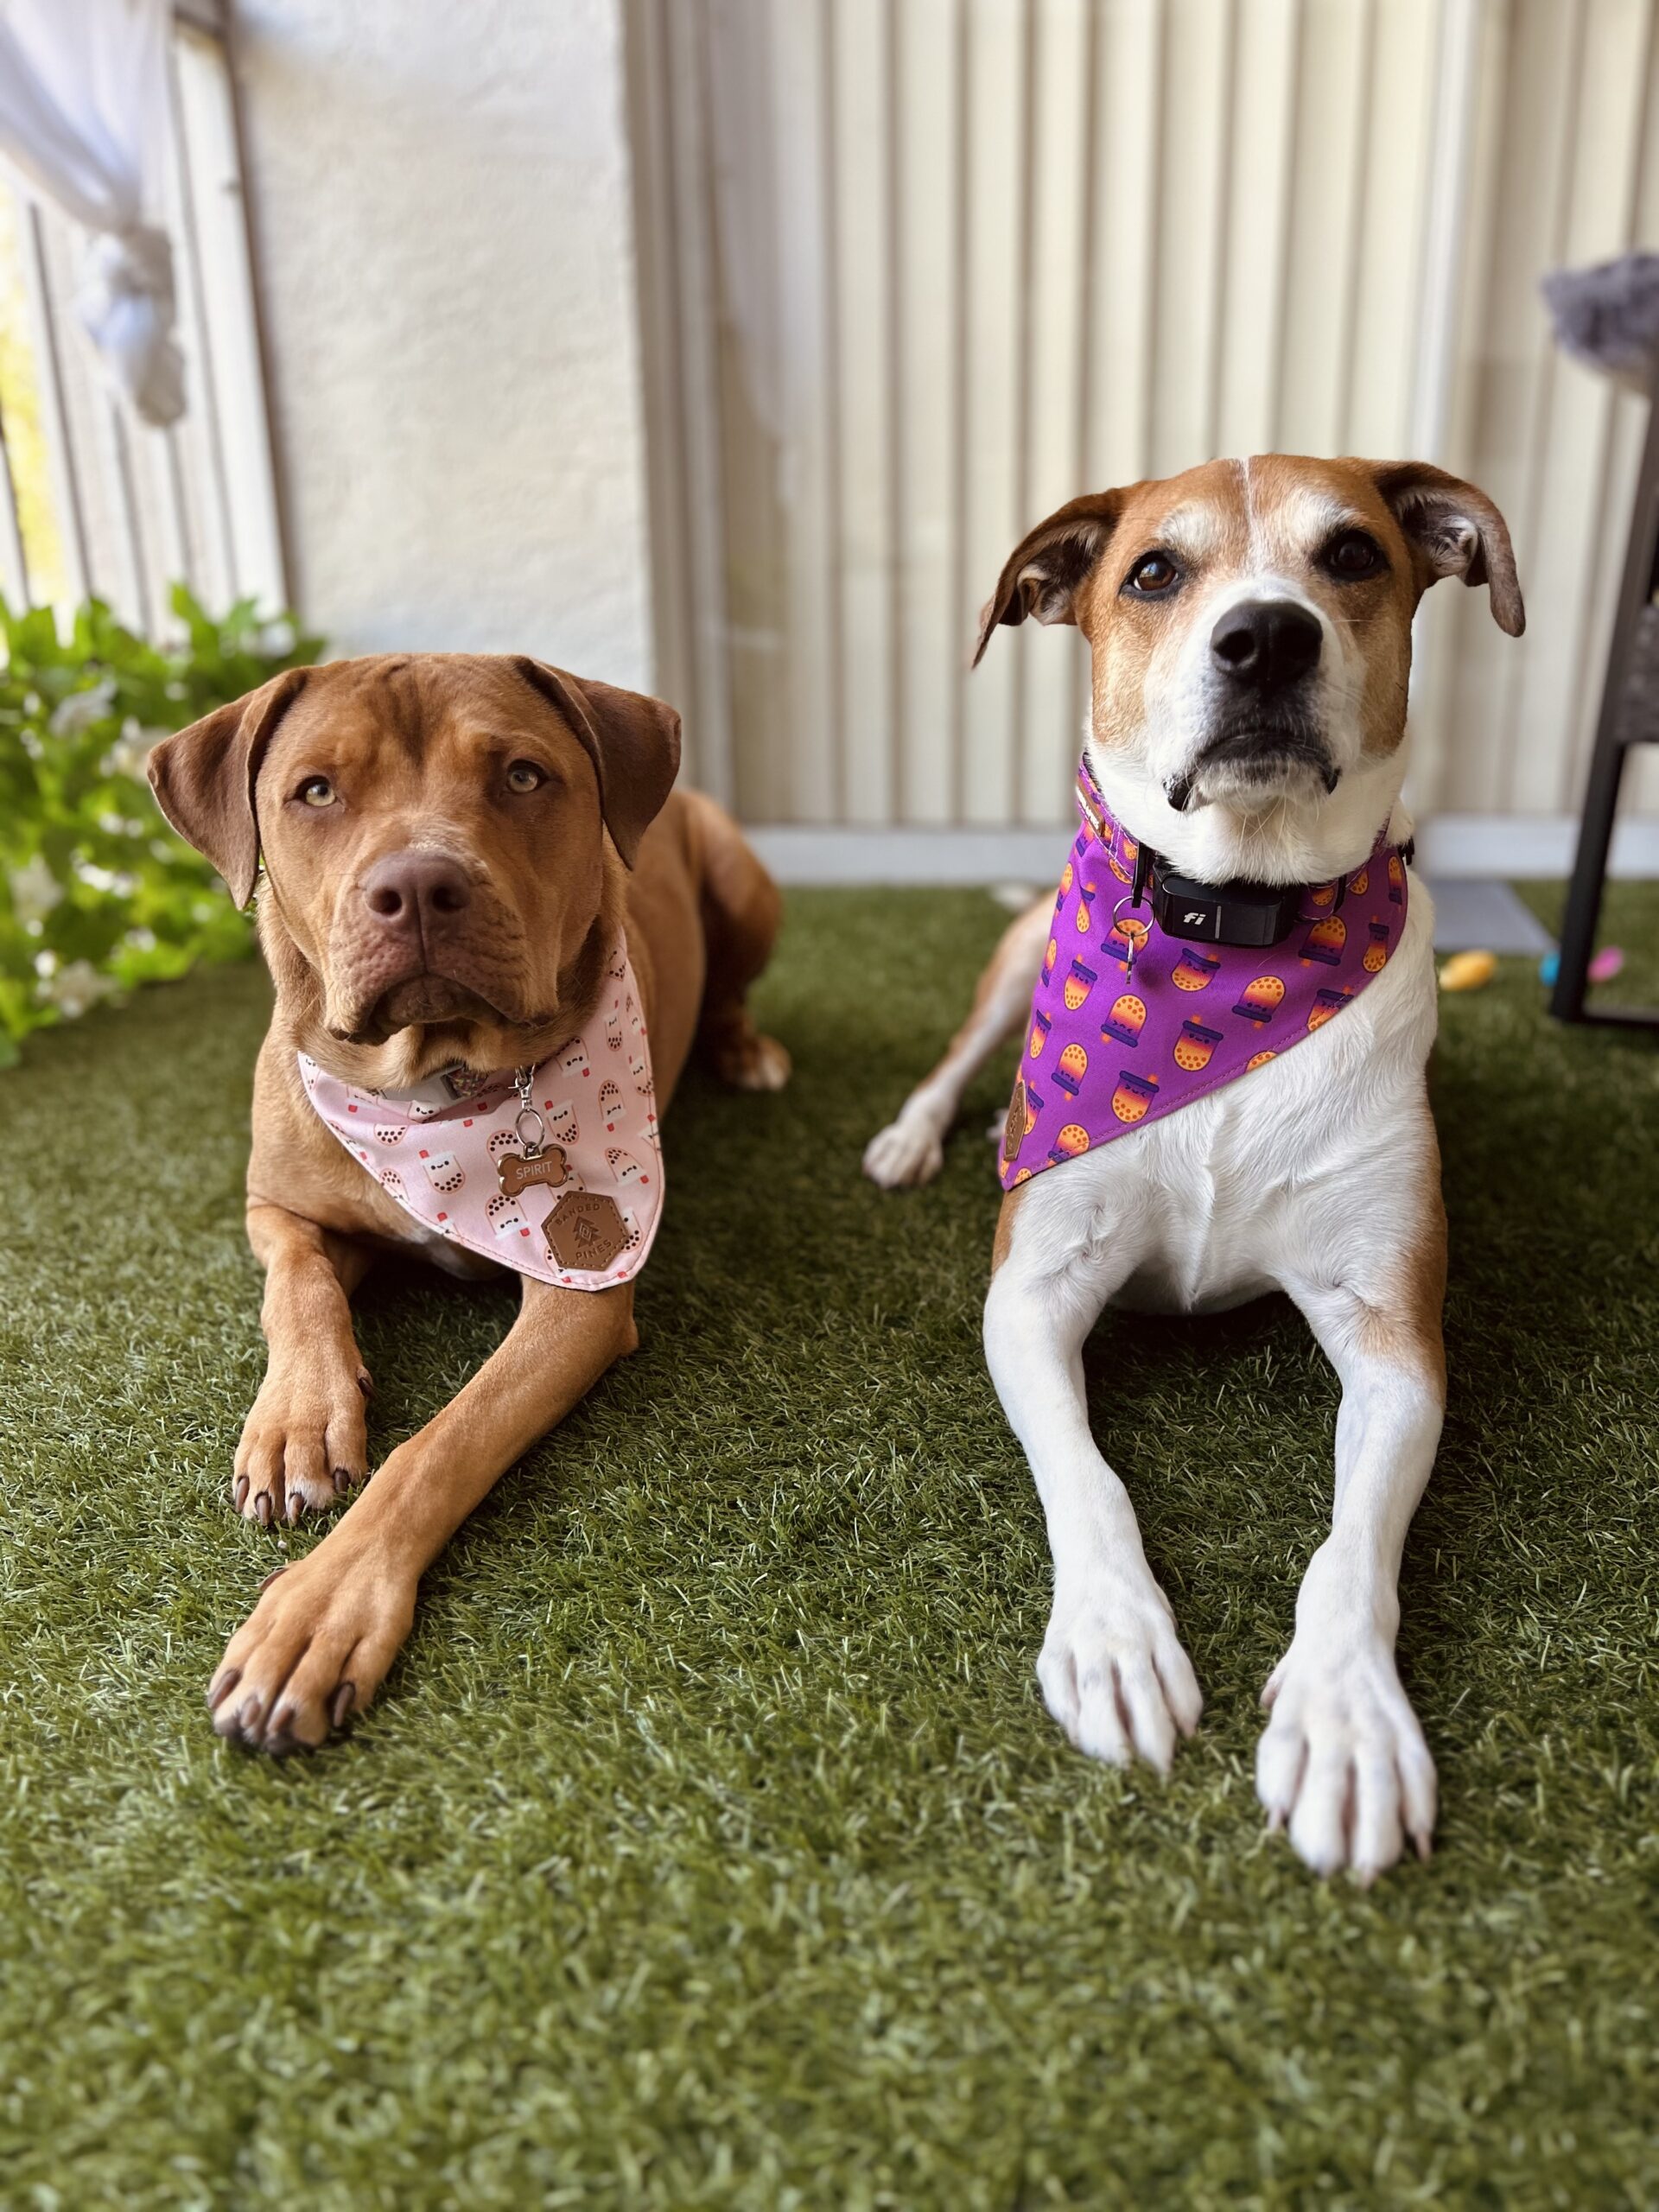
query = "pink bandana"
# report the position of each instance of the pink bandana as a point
(1127, 1023)
(555, 1170)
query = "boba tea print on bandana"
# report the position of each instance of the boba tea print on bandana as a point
(1128, 1023)
(555, 1170)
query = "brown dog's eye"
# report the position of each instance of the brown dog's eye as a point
(1354, 554)
(525, 776)
(1153, 575)
(317, 790)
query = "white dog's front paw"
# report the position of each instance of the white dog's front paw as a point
(1343, 1762)
(1114, 1673)
(909, 1150)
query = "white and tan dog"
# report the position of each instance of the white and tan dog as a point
(1250, 624)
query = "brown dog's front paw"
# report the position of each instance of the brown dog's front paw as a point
(305, 1445)
(314, 1651)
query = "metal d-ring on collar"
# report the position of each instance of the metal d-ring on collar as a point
(523, 1079)
(1135, 897)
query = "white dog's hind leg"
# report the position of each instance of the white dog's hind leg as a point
(1343, 1761)
(910, 1149)
(1112, 1668)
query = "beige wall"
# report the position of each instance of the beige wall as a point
(444, 231)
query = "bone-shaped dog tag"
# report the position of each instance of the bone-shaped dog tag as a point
(516, 1173)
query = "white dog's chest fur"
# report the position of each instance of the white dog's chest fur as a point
(1255, 1181)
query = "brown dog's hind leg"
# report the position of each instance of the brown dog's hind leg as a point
(305, 1443)
(741, 910)
(317, 1645)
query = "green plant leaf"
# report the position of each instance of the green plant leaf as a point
(89, 871)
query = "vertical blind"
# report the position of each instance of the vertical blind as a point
(915, 271)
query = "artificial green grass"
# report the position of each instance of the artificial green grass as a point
(709, 1845)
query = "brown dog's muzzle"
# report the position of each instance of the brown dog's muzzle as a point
(416, 942)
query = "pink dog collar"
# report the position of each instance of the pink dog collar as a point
(555, 1170)
(1128, 1023)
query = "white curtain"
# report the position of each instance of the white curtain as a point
(83, 115)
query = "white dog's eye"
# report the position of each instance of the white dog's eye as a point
(525, 776)
(1354, 554)
(1153, 575)
(317, 790)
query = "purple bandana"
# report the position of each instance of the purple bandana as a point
(1127, 1023)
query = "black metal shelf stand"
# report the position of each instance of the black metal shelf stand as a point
(1614, 738)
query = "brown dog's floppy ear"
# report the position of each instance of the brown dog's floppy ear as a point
(633, 741)
(203, 778)
(1454, 531)
(1044, 571)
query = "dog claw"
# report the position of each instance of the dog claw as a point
(238, 1496)
(224, 1683)
(344, 1698)
(342, 1481)
(295, 1507)
(365, 1381)
(1425, 1845)
(263, 1509)
(275, 1572)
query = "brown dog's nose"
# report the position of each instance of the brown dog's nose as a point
(407, 891)
(1266, 643)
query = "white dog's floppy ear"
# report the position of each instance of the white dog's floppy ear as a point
(634, 742)
(1044, 571)
(1455, 531)
(203, 778)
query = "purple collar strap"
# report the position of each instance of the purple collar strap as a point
(1129, 1022)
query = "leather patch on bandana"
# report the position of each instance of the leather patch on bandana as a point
(586, 1231)
(1013, 1130)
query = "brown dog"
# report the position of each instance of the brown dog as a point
(451, 844)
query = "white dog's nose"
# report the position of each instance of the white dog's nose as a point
(1266, 644)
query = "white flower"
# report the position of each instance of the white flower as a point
(75, 987)
(70, 717)
(34, 890)
(105, 879)
(127, 756)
